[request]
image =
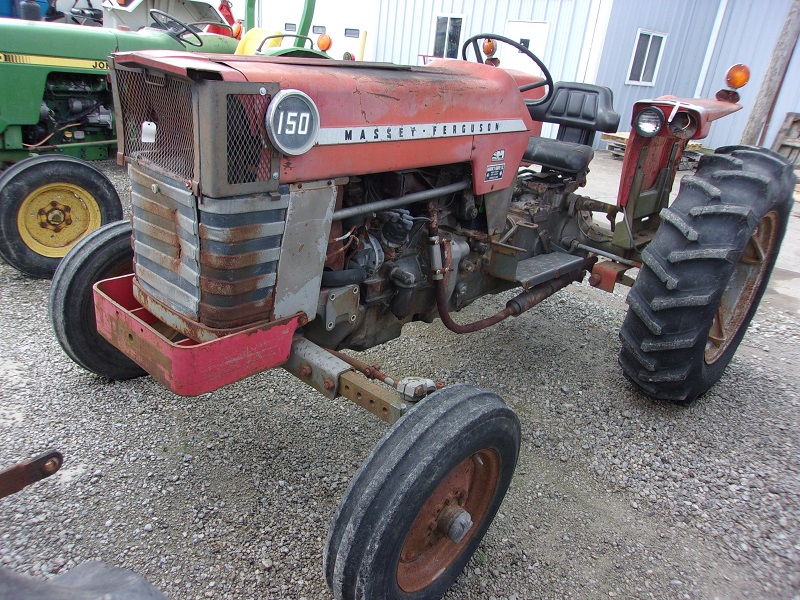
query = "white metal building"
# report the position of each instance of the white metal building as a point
(638, 48)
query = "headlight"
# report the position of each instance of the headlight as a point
(292, 122)
(649, 121)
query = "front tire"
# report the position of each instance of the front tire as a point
(397, 531)
(102, 254)
(705, 272)
(47, 204)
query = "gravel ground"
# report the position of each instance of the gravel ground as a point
(229, 495)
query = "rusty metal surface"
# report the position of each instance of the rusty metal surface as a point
(304, 247)
(462, 498)
(315, 366)
(209, 263)
(184, 366)
(382, 100)
(743, 287)
(411, 388)
(607, 273)
(165, 246)
(381, 401)
(21, 475)
(544, 267)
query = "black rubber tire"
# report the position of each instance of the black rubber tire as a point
(691, 263)
(24, 178)
(362, 552)
(103, 253)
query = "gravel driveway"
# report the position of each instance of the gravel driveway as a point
(229, 495)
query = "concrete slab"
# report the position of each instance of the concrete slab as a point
(783, 293)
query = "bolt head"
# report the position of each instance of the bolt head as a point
(51, 466)
(328, 384)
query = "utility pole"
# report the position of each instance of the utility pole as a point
(771, 84)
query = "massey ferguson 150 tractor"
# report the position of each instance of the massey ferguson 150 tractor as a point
(285, 209)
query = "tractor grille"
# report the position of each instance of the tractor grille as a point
(167, 102)
(248, 148)
(214, 261)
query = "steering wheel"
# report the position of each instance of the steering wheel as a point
(174, 28)
(547, 81)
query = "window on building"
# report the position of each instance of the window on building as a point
(646, 58)
(353, 33)
(447, 36)
(289, 27)
(318, 29)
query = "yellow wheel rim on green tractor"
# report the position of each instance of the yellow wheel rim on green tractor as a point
(53, 217)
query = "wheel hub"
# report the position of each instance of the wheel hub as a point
(444, 524)
(743, 287)
(54, 216)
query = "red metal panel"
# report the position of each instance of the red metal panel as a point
(658, 148)
(375, 96)
(186, 367)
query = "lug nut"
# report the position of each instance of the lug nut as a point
(454, 522)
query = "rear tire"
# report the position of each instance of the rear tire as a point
(103, 253)
(705, 272)
(455, 450)
(47, 204)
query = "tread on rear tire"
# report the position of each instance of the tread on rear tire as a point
(705, 271)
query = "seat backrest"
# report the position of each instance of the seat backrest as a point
(580, 110)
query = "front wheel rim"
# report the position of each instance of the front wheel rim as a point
(427, 551)
(53, 217)
(743, 287)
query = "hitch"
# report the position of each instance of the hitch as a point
(336, 374)
(23, 474)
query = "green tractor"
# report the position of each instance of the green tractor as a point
(56, 113)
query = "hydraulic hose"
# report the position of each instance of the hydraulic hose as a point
(345, 277)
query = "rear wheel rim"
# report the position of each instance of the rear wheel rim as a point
(53, 217)
(427, 552)
(743, 287)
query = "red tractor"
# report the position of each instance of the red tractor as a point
(285, 209)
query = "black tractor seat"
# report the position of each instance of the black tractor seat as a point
(559, 156)
(580, 110)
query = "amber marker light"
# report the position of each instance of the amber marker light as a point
(489, 47)
(738, 76)
(324, 42)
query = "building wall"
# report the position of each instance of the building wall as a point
(405, 27)
(748, 35)
(687, 24)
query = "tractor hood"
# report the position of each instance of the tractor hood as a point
(63, 41)
(377, 117)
